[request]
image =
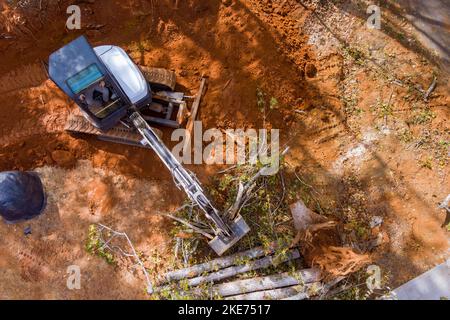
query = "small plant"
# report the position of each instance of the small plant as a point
(425, 139)
(95, 245)
(443, 149)
(355, 53)
(385, 110)
(350, 104)
(182, 291)
(360, 228)
(423, 117)
(444, 144)
(406, 136)
(260, 99)
(274, 103)
(427, 163)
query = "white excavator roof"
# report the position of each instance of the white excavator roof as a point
(125, 71)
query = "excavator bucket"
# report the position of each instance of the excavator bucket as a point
(239, 229)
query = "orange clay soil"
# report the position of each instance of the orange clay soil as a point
(367, 146)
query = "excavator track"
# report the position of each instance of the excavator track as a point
(162, 78)
(120, 134)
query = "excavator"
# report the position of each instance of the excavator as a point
(119, 100)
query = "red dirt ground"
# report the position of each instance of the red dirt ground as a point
(328, 113)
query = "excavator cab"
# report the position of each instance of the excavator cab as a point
(96, 94)
(77, 69)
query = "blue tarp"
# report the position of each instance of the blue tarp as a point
(22, 196)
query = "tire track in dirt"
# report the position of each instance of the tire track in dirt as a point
(40, 261)
(328, 107)
(24, 77)
(23, 129)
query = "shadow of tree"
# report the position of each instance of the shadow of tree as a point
(419, 14)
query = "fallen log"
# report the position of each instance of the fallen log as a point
(430, 89)
(299, 291)
(238, 269)
(298, 296)
(194, 111)
(214, 265)
(250, 266)
(286, 279)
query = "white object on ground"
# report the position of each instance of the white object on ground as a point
(376, 221)
(432, 285)
(304, 217)
(286, 279)
(445, 203)
(299, 292)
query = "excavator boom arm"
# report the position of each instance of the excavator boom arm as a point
(184, 179)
